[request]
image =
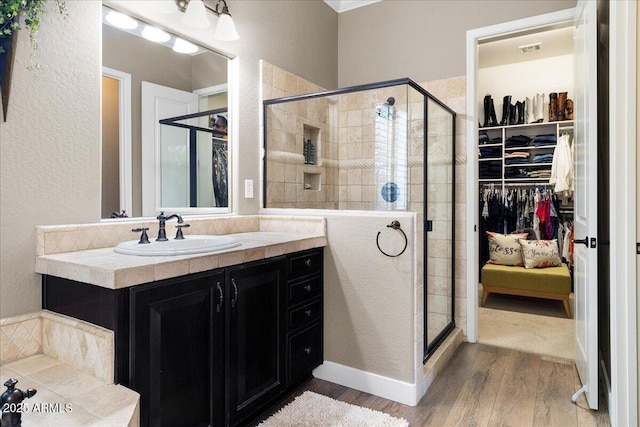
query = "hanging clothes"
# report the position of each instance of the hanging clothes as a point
(562, 167)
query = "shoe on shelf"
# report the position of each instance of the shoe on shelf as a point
(506, 110)
(553, 107)
(562, 105)
(528, 102)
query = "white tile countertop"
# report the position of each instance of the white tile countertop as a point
(264, 237)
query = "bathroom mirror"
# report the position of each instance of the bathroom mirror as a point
(164, 111)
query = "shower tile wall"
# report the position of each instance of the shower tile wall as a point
(291, 182)
(363, 147)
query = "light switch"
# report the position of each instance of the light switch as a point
(248, 189)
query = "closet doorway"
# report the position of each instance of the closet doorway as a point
(521, 142)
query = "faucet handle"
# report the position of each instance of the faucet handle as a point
(144, 238)
(179, 235)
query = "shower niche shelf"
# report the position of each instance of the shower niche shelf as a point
(310, 145)
(311, 181)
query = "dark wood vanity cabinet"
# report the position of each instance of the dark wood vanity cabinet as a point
(214, 348)
(255, 344)
(304, 314)
(177, 351)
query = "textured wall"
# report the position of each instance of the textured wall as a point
(423, 40)
(50, 150)
(369, 298)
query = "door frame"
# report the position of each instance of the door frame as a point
(124, 135)
(623, 137)
(473, 37)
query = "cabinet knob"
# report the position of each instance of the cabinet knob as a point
(307, 350)
(307, 288)
(307, 263)
(308, 313)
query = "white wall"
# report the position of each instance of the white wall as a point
(526, 79)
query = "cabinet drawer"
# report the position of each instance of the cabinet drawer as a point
(307, 263)
(304, 315)
(305, 352)
(306, 288)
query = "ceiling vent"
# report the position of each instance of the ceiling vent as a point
(530, 47)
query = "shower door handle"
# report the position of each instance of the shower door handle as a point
(428, 226)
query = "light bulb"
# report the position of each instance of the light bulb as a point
(183, 46)
(121, 20)
(155, 34)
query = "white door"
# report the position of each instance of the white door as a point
(585, 209)
(165, 149)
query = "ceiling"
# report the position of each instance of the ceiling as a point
(345, 5)
(554, 42)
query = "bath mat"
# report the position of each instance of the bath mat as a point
(315, 410)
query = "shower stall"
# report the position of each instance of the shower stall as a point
(382, 147)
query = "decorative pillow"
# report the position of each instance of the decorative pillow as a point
(540, 253)
(505, 249)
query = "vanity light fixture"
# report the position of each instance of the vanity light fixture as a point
(195, 15)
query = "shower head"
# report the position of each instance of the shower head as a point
(391, 100)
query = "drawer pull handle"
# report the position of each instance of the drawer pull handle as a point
(307, 263)
(308, 313)
(235, 293)
(307, 288)
(307, 350)
(221, 299)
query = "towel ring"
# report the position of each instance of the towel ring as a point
(395, 224)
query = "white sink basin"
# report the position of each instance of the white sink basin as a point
(190, 245)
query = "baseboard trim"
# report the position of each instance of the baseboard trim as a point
(388, 388)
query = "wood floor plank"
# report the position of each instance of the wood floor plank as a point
(516, 400)
(553, 399)
(475, 403)
(435, 406)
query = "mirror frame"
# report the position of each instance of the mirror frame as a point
(171, 23)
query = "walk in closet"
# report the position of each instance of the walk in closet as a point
(525, 138)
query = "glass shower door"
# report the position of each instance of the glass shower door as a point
(439, 228)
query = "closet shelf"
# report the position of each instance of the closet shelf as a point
(527, 125)
(490, 159)
(490, 145)
(517, 165)
(529, 148)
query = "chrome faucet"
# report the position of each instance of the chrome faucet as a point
(162, 234)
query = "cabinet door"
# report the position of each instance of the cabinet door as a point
(255, 341)
(177, 355)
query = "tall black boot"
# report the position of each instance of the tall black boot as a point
(506, 110)
(487, 110)
(512, 115)
(493, 120)
(520, 107)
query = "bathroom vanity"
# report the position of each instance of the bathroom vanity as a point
(212, 347)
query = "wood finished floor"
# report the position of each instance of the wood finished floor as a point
(485, 386)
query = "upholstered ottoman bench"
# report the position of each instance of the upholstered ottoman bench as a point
(549, 282)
